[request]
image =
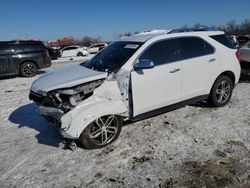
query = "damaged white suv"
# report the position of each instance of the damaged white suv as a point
(136, 78)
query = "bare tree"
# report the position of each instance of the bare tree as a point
(87, 41)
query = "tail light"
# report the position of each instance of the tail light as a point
(47, 52)
(238, 55)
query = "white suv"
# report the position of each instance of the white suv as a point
(73, 50)
(136, 78)
(95, 48)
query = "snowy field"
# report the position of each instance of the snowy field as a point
(195, 146)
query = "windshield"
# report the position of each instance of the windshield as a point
(113, 57)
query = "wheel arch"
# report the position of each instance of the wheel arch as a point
(229, 74)
(76, 123)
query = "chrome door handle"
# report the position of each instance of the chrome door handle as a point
(174, 70)
(211, 60)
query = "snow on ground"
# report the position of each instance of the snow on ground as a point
(195, 146)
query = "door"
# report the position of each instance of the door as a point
(94, 49)
(69, 51)
(5, 68)
(200, 67)
(160, 86)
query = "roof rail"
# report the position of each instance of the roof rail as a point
(182, 30)
(154, 31)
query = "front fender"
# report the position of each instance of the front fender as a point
(106, 100)
(78, 119)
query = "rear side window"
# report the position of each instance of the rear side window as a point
(223, 40)
(192, 47)
(163, 52)
(70, 48)
(26, 47)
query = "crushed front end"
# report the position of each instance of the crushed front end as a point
(55, 104)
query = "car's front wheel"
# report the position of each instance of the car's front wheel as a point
(79, 54)
(101, 132)
(28, 69)
(221, 91)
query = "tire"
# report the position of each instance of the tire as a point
(28, 69)
(221, 92)
(79, 54)
(93, 136)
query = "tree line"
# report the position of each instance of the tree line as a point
(230, 28)
(88, 41)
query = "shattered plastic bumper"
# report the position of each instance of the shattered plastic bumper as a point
(54, 117)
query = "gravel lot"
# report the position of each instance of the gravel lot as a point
(195, 146)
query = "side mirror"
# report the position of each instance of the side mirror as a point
(144, 64)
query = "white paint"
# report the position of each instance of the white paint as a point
(106, 100)
(151, 89)
(73, 52)
(156, 88)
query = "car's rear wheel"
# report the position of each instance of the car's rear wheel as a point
(101, 132)
(221, 92)
(79, 54)
(28, 69)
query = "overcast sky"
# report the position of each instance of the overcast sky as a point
(52, 19)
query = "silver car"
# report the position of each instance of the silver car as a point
(245, 58)
(245, 52)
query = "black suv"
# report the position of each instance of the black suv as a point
(23, 58)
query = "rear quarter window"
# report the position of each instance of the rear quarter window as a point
(224, 41)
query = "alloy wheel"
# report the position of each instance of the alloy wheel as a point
(223, 91)
(104, 129)
(29, 69)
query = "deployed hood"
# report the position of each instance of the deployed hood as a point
(66, 78)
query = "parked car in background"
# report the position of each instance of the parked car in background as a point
(233, 39)
(73, 50)
(84, 47)
(54, 53)
(95, 48)
(242, 40)
(135, 78)
(245, 52)
(245, 58)
(23, 58)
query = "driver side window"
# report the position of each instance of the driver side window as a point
(163, 52)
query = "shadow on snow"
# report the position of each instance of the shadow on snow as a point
(27, 116)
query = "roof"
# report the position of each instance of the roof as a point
(146, 36)
(20, 41)
(71, 46)
(138, 38)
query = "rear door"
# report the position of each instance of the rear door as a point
(5, 66)
(160, 86)
(200, 66)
